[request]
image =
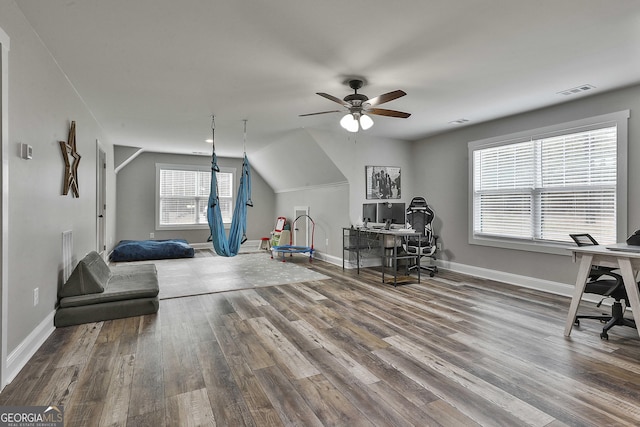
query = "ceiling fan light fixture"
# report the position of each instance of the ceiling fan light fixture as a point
(365, 122)
(349, 123)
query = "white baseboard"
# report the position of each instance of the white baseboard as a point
(28, 347)
(209, 245)
(327, 258)
(205, 245)
(549, 286)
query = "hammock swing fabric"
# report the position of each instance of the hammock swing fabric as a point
(223, 245)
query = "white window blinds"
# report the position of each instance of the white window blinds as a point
(546, 188)
(183, 195)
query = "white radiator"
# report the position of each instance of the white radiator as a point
(67, 255)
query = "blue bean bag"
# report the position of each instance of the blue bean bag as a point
(141, 250)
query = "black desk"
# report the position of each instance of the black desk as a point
(359, 239)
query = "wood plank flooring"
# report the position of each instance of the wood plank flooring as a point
(348, 351)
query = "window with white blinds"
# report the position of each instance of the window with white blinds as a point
(183, 195)
(543, 187)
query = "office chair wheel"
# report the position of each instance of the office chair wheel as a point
(432, 274)
(576, 322)
(604, 336)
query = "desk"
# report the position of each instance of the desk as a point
(627, 262)
(358, 238)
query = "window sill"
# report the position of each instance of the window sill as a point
(528, 246)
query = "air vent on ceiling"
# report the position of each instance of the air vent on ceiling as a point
(578, 89)
(458, 122)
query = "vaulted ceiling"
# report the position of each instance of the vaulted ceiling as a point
(154, 71)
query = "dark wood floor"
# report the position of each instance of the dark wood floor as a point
(349, 351)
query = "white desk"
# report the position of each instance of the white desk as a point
(627, 262)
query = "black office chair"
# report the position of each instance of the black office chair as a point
(420, 216)
(603, 281)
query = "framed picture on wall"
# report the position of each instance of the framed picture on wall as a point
(382, 182)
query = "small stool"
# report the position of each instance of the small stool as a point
(265, 243)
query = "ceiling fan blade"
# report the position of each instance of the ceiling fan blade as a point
(385, 98)
(385, 112)
(334, 99)
(322, 112)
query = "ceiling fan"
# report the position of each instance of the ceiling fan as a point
(359, 106)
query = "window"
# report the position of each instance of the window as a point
(535, 188)
(183, 195)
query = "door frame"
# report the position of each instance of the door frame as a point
(101, 200)
(4, 202)
(297, 211)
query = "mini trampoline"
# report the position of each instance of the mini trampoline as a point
(293, 249)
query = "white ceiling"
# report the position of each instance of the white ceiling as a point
(153, 71)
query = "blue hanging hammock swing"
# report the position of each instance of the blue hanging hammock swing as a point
(223, 245)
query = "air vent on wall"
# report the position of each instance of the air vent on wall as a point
(578, 89)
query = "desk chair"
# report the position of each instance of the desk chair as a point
(420, 217)
(603, 281)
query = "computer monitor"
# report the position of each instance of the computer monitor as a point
(393, 211)
(398, 213)
(369, 212)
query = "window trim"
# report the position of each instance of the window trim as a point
(620, 119)
(199, 168)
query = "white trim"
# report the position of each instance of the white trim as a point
(204, 245)
(190, 167)
(348, 265)
(128, 160)
(305, 209)
(313, 187)
(620, 118)
(365, 262)
(28, 347)
(100, 172)
(510, 278)
(4, 202)
(209, 245)
(331, 259)
(556, 288)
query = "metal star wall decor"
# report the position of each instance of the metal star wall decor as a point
(71, 160)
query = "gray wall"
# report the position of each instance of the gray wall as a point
(340, 204)
(441, 167)
(136, 198)
(329, 208)
(285, 163)
(42, 104)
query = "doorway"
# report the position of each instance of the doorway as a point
(101, 200)
(301, 232)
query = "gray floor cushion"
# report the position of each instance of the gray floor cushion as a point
(96, 292)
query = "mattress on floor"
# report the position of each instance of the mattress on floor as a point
(142, 250)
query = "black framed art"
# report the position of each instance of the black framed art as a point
(382, 182)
